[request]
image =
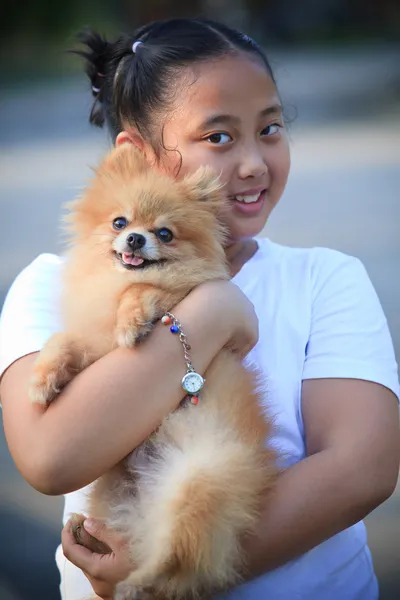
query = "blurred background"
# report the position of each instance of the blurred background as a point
(337, 67)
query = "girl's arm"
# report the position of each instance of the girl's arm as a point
(353, 444)
(351, 424)
(112, 406)
(352, 430)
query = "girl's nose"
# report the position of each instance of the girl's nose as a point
(252, 164)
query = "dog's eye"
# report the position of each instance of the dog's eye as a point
(120, 223)
(165, 235)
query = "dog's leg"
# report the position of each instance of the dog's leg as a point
(61, 359)
(140, 307)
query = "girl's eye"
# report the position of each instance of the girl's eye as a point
(165, 235)
(120, 223)
(219, 139)
(271, 129)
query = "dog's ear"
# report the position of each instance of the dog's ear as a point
(125, 161)
(203, 185)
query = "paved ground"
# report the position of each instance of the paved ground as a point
(343, 193)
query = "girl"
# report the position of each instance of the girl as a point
(189, 93)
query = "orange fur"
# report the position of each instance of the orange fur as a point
(186, 497)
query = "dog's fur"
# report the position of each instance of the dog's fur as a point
(187, 496)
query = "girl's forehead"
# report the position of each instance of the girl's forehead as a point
(230, 85)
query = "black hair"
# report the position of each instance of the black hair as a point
(133, 86)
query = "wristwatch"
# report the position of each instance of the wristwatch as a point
(192, 382)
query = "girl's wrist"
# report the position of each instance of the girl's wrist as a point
(224, 313)
(207, 304)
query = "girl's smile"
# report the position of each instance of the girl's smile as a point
(249, 202)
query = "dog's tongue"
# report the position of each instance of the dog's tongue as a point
(131, 259)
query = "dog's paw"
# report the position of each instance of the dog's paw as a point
(47, 383)
(131, 336)
(125, 592)
(84, 538)
(44, 388)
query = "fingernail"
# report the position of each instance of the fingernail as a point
(89, 525)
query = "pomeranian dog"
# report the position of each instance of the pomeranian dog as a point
(139, 242)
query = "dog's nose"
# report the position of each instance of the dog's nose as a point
(136, 241)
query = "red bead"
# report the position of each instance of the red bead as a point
(194, 400)
(166, 320)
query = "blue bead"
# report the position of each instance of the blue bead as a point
(174, 328)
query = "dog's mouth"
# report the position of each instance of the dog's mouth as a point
(133, 261)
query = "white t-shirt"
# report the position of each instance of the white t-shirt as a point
(319, 318)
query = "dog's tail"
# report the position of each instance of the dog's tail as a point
(208, 493)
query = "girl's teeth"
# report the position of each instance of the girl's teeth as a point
(248, 199)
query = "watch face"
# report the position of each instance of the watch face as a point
(192, 383)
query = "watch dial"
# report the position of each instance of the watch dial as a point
(193, 382)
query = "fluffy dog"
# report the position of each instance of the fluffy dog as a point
(139, 242)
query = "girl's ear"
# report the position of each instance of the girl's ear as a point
(136, 141)
(130, 137)
(203, 185)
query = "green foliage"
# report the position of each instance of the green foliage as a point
(51, 18)
(34, 36)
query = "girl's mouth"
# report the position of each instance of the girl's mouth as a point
(249, 204)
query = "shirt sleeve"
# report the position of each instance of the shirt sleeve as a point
(349, 335)
(30, 312)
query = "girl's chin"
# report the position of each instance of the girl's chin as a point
(241, 231)
(241, 228)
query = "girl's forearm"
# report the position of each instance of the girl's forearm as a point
(112, 406)
(313, 500)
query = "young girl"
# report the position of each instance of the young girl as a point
(190, 93)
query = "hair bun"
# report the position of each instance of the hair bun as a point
(97, 53)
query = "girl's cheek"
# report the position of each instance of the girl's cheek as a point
(190, 157)
(280, 164)
(285, 153)
(224, 166)
(171, 164)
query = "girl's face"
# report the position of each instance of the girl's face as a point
(227, 114)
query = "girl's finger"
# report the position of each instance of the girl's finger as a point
(83, 537)
(74, 552)
(99, 566)
(80, 556)
(100, 531)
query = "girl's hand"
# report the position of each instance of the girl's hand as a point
(104, 571)
(231, 311)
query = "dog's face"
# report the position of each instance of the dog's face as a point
(143, 220)
(138, 247)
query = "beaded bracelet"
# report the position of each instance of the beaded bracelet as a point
(192, 382)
